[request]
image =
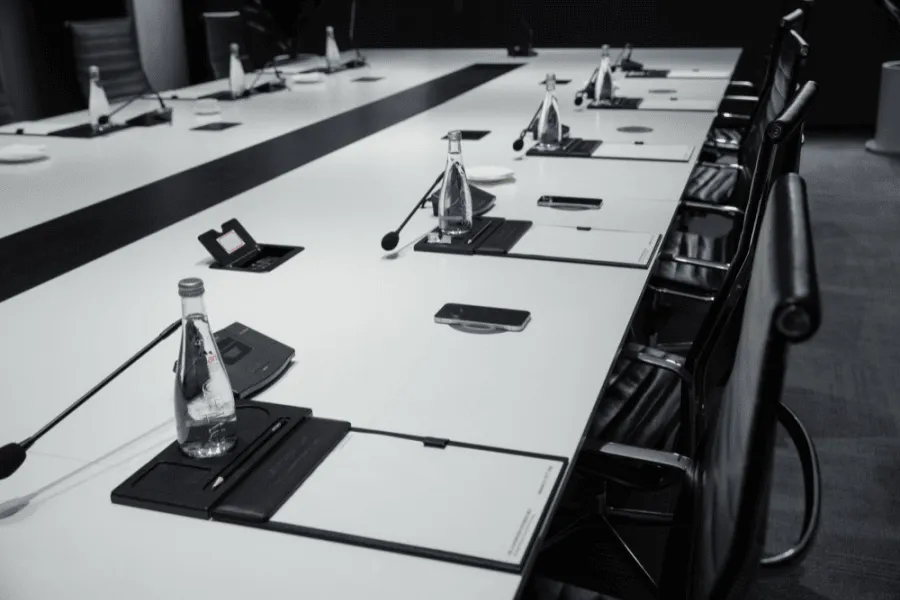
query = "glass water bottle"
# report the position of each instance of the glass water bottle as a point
(204, 403)
(98, 105)
(455, 215)
(549, 129)
(603, 89)
(332, 53)
(236, 73)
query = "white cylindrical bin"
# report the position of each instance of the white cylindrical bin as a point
(887, 129)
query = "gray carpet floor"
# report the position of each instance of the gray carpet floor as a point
(845, 383)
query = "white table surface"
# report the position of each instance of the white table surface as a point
(362, 325)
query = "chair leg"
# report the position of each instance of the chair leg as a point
(812, 484)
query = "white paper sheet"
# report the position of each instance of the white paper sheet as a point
(594, 245)
(699, 74)
(662, 102)
(473, 502)
(630, 150)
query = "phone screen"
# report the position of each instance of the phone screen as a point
(483, 315)
(570, 201)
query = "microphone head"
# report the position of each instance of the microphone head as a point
(579, 98)
(390, 241)
(11, 458)
(518, 144)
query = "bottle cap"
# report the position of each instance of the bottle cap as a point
(94, 71)
(455, 135)
(190, 287)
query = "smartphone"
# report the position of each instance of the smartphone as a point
(482, 316)
(571, 203)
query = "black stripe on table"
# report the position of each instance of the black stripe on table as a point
(38, 254)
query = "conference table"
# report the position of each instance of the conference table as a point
(330, 167)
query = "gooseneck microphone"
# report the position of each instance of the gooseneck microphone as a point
(162, 115)
(359, 60)
(390, 240)
(276, 71)
(520, 141)
(13, 455)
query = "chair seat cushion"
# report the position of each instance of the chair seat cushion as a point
(688, 277)
(640, 404)
(725, 136)
(712, 185)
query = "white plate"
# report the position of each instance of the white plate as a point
(489, 174)
(21, 153)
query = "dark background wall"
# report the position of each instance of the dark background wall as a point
(850, 38)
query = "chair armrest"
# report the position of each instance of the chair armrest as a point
(667, 461)
(635, 352)
(812, 488)
(681, 294)
(637, 468)
(714, 165)
(695, 262)
(720, 209)
(740, 98)
(742, 84)
(735, 116)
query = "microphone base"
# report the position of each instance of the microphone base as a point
(356, 63)
(629, 66)
(151, 118)
(87, 131)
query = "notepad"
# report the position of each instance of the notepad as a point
(592, 246)
(459, 500)
(632, 151)
(676, 103)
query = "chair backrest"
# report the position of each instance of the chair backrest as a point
(726, 501)
(782, 80)
(710, 356)
(111, 45)
(222, 30)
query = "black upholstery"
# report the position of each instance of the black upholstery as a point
(6, 111)
(222, 30)
(715, 546)
(695, 279)
(711, 184)
(111, 45)
(641, 402)
(633, 390)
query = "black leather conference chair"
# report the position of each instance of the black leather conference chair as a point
(693, 265)
(716, 534)
(747, 87)
(222, 30)
(729, 128)
(6, 112)
(111, 45)
(715, 182)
